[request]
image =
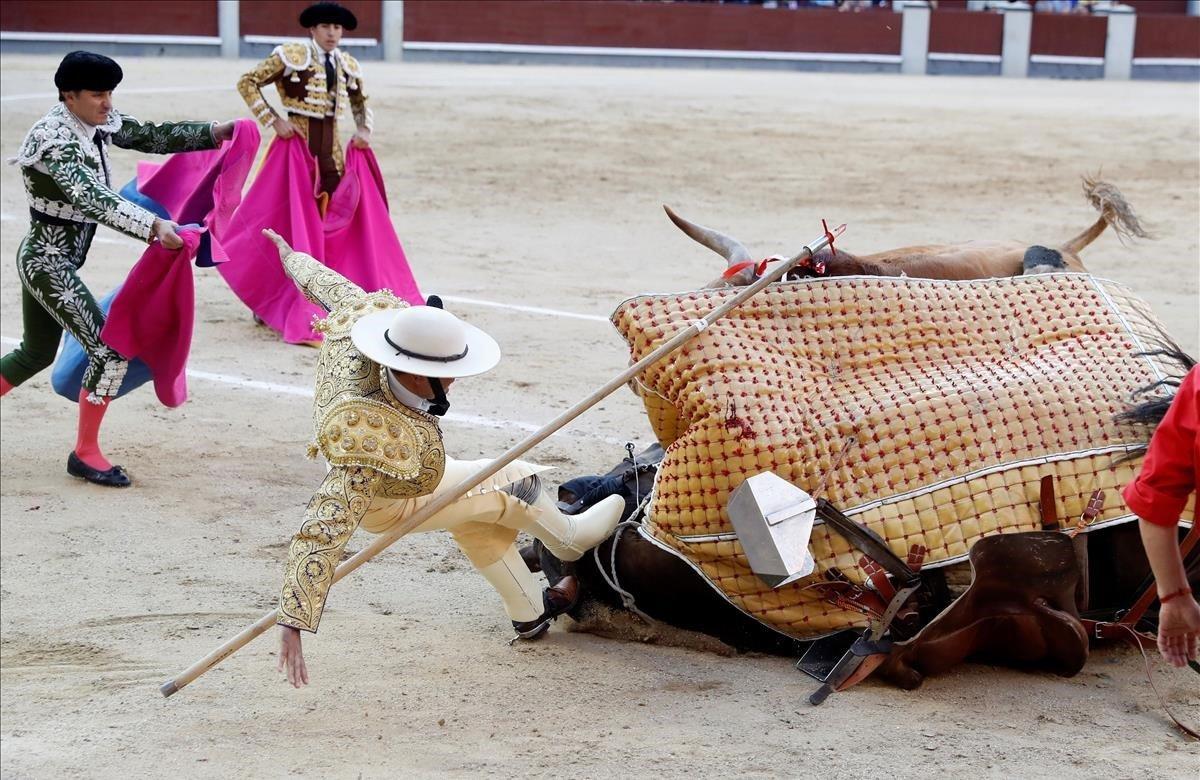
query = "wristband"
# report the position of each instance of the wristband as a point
(1174, 595)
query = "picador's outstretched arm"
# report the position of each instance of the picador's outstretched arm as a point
(324, 287)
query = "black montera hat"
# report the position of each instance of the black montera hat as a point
(87, 70)
(327, 13)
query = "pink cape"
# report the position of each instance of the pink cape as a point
(204, 188)
(356, 237)
(151, 317)
(153, 314)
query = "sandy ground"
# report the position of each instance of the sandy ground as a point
(542, 186)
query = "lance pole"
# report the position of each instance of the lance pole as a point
(437, 504)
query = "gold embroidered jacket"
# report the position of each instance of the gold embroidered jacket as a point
(375, 445)
(298, 71)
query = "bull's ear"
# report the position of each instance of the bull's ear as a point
(726, 246)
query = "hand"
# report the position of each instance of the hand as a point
(280, 244)
(284, 128)
(164, 231)
(291, 656)
(223, 131)
(361, 138)
(1179, 630)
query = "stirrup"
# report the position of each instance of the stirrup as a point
(536, 628)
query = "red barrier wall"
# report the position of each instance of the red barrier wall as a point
(1158, 6)
(281, 17)
(132, 17)
(1160, 35)
(652, 25)
(966, 32)
(1068, 35)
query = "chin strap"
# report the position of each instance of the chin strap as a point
(440, 403)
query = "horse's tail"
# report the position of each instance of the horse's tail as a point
(1114, 210)
(1150, 411)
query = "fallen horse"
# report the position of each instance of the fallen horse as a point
(988, 423)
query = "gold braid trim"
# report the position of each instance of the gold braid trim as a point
(330, 520)
(250, 86)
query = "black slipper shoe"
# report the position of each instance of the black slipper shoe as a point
(114, 477)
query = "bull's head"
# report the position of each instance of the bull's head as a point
(730, 248)
(741, 269)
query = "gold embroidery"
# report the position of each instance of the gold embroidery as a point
(332, 516)
(394, 441)
(250, 86)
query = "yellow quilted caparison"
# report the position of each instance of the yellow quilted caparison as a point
(927, 410)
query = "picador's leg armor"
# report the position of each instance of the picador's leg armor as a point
(567, 537)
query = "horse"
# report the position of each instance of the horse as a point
(966, 260)
(1036, 597)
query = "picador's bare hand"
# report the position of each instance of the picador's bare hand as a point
(284, 248)
(291, 657)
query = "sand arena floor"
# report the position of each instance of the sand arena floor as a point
(541, 187)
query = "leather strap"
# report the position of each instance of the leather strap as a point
(1150, 594)
(1048, 505)
(1094, 505)
(866, 540)
(878, 578)
(876, 554)
(1186, 729)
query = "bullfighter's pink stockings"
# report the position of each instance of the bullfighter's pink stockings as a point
(87, 442)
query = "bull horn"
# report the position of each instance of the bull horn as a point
(729, 248)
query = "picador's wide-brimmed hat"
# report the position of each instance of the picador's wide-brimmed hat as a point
(426, 341)
(87, 70)
(328, 13)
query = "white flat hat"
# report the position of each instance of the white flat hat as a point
(426, 341)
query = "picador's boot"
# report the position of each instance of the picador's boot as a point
(568, 537)
(556, 601)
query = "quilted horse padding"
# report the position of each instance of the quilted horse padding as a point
(927, 410)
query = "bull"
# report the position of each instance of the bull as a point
(967, 260)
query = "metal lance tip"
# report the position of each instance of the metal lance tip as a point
(168, 688)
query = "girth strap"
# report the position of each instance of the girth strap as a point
(871, 644)
(868, 541)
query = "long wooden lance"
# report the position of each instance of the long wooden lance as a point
(775, 272)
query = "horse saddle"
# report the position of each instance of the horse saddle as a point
(1020, 609)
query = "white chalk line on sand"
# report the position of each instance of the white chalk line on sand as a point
(527, 309)
(276, 388)
(570, 315)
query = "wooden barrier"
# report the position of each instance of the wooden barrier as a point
(1068, 35)
(705, 26)
(1163, 35)
(966, 32)
(112, 17)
